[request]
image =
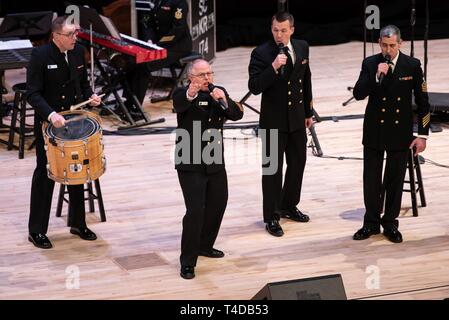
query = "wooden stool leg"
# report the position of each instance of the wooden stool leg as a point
(60, 200)
(90, 197)
(420, 183)
(15, 110)
(100, 200)
(32, 145)
(411, 172)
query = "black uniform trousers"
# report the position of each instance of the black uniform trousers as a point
(396, 166)
(276, 196)
(42, 193)
(205, 197)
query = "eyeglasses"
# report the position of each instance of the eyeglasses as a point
(203, 75)
(70, 34)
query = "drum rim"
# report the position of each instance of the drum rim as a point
(92, 117)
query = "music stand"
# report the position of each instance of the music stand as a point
(100, 24)
(314, 143)
(350, 88)
(92, 22)
(24, 25)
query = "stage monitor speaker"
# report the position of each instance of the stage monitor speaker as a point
(328, 287)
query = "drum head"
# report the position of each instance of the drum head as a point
(79, 128)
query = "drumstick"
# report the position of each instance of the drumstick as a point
(79, 105)
(76, 118)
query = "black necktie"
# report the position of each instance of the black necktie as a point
(391, 65)
(390, 70)
(289, 65)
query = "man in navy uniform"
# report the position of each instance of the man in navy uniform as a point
(164, 23)
(388, 79)
(56, 80)
(279, 69)
(201, 114)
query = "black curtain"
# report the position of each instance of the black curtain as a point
(324, 22)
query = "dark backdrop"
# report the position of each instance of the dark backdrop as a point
(321, 22)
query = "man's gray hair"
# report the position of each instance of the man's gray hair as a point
(193, 63)
(389, 31)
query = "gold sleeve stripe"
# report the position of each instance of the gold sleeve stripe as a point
(426, 120)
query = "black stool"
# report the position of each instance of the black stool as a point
(415, 183)
(20, 109)
(178, 77)
(91, 196)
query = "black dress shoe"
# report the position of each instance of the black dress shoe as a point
(214, 253)
(393, 235)
(84, 233)
(40, 240)
(295, 215)
(187, 272)
(274, 228)
(365, 233)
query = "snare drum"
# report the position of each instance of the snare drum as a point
(75, 153)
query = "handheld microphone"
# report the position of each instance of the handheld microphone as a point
(382, 75)
(282, 51)
(222, 103)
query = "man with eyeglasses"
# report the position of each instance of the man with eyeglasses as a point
(201, 111)
(56, 80)
(279, 69)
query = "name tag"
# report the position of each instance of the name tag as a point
(203, 103)
(52, 66)
(79, 67)
(405, 78)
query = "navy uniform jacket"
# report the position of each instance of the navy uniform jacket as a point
(388, 123)
(166, 25)
(206, 111)
(286, 100)
(51, 84)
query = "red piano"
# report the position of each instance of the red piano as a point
(140, 51)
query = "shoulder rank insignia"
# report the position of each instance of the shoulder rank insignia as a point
(178, 13)
(167, 39)
(424, 87)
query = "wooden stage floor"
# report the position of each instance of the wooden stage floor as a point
(137, 253)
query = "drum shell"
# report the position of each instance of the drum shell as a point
(75, 161)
